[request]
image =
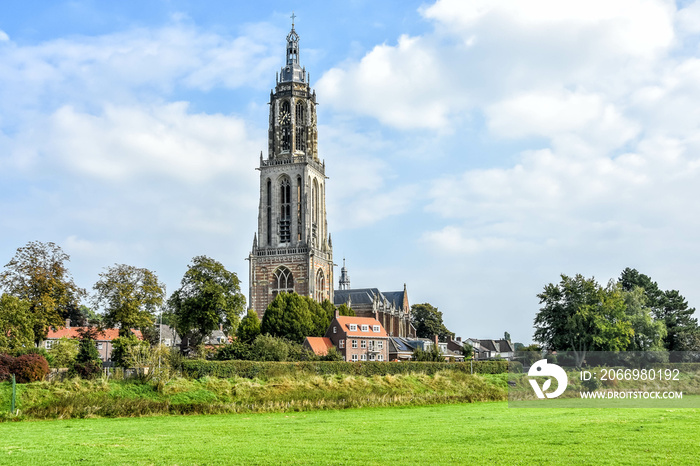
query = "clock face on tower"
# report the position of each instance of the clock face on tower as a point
(284, 117)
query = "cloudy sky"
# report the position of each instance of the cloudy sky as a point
(476, 149)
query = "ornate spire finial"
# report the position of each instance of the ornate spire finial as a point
(293, 16)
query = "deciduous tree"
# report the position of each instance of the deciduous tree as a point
(129, 296)
(38, 274)
(428, 322)
(16, 323)
(579, 315)
(209, 297)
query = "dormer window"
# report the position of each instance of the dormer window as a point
(353, 327)
(365, 328)
(375, 328)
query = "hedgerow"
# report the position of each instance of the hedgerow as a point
(267, 369)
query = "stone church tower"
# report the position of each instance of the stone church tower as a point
(292, 249)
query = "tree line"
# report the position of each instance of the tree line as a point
(628, 314)
(39, 293)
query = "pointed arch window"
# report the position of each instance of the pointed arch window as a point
(286, 124)
(320, 288)
(300, 136)
(285, 211)
(269, 212)
(282, 281)
(298, 208)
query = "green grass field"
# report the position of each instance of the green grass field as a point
(482, 433)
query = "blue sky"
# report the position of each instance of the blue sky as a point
(476, 150)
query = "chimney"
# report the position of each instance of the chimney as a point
(337, 313)
(67, 323)
(459, 339)
(435, 340)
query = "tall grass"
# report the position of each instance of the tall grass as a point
(209, 395)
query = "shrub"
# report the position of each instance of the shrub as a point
(64, 352)
(87, 369)
(121, 348)
(30, 368)
(34, 350)
(5, 365)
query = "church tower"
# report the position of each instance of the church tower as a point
(292, 250)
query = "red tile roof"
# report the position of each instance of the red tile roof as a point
(345, 321)
(107, 334)
(319, 345)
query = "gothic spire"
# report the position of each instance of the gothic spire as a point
(293, 70)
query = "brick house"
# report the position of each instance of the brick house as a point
(103, 341)
(359, 338)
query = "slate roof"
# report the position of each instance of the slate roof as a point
(107, 334)
(395, 297)
(319, 345)
(497, 346)
(357, 296)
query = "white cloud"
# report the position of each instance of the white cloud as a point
(127, 142)
(3, 36)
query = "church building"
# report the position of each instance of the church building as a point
(292, 250)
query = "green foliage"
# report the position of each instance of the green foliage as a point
(432, 354)
(236, 350)
(289, 316)
(38, 275)
(667, 307)
(428, 322)
(269, 348)
(580, 315)
(267, 369)
(332, 355)
(64, 352)
(16, 323)
(88, 363)
(249, 328)
(129, 297)
(648, 334)
(209, 296)
(122, 348)
(344, 310)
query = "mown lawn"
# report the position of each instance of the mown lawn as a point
(479, 433)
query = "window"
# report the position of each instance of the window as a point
(320, 285)
(335, 329)
(371, 357)
(370, 345)
(48, 344)
(353, 327)
(285, 211)
(380, 345)
(300, 121)
(363, 357)
(286, 122)
(282, 281)
(363, 344)
(269, 212)
(375, 328)
(365, 328)
(354, 358)
(100, 345)
(341, 344)
(380, 357)
(354, 343)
